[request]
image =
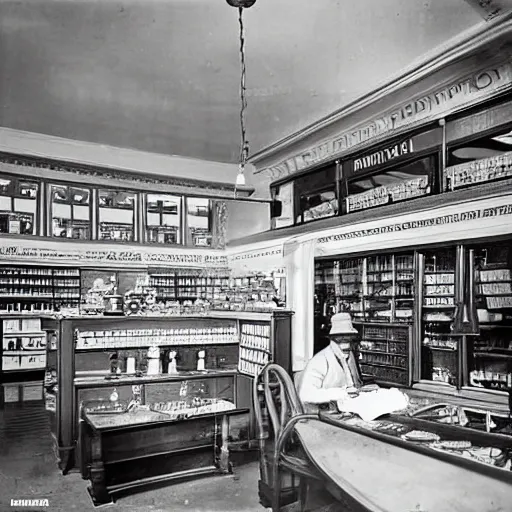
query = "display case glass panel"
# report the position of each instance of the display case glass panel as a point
(116, 215)
(480, 160)
(70, 212)
(439, 348)
(199, 222)
(284, 194)
(315, 195)
(163, 218)
(408, 181)
(378, 292)
(18, 205)
(490, 353)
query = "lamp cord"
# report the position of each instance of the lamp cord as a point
(244, 145)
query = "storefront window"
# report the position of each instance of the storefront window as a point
(71, 213)
(199, 222)
(18, 206)
(392, 186)
(284, 194)
(116, 215)
(490, 353)
(163, 219)
(315, 195)
(479, 161)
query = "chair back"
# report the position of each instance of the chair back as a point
(280, 397)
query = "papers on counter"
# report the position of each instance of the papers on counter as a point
(372, 404)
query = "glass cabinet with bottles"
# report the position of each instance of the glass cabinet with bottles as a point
(378, 292)
(440, 316)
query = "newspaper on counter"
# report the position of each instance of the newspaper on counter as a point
(371, 405)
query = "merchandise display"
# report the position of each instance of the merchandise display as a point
(439, 347)
(23, 344)
(25, 289)
(155, 365)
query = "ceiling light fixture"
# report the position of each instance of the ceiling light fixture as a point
(244, 145)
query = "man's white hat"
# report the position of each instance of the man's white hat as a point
(341, 323)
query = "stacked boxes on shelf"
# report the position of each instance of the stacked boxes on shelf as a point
(255, 348)
(139, 338)
(23, 345)
(377, 288)
(439, 356)
(385, 352)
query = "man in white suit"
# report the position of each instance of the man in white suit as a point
(332, 374)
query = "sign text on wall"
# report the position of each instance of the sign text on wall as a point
(15, 252)
(423, 223)
(383, 156)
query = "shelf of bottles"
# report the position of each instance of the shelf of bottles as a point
(257, 292)
(378, 292)
(23, 344)
(439, 347)
(377, 289)
(491, 363)
(326, 282)
(255, 348)
(142, 338)
(38, 289)
(188, 285)
(384, 352)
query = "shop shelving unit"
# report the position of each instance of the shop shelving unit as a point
(81, 350)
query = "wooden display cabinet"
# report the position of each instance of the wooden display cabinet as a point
(83, 350)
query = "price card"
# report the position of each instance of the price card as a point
(439, 301)
(440, 290)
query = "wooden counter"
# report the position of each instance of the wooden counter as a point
(383, 477)
(140, 448)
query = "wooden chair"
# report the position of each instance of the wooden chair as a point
(275, 398)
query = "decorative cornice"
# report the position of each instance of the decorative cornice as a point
(87, 254)
(453, 51)
(64, 171)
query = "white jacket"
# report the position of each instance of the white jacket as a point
(324, 379)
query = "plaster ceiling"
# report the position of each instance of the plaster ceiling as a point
(163, 75)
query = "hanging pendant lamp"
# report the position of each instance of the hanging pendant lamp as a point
(244, 145)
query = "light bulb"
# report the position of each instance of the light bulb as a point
(240, 179)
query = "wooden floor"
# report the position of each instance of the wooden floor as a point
(28, 470)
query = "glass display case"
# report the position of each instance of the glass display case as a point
(23, 346)
(439, 348)
(490, 353)
(18, 205)
(70, 212)
(378, 292)
(199, 222)
(479, 160)
(398, 184)
(441, 316)
(316, 195)
(163, 218)
(116, 218)
(181, 366)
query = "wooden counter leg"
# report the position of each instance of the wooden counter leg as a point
(98, 489)
(224, 464)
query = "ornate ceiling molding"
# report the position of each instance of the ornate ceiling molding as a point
(269, 160)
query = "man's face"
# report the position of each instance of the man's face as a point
(345, 341)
